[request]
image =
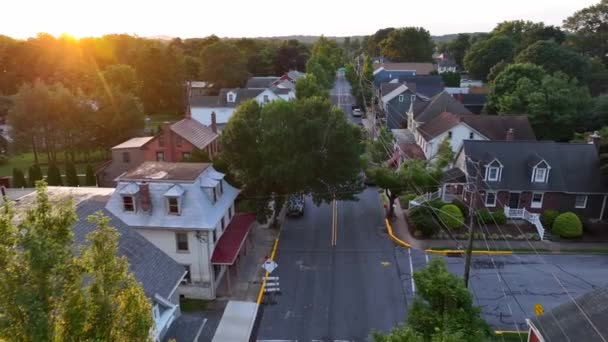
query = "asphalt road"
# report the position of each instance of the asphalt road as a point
(341, 97)
(336, 293)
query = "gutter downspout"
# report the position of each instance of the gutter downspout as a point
(603, 208)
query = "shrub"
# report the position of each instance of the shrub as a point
(451, 216)
(499, 217)
(548, 217)
(567, 225)
(53, 176)
(34, 174)
(464, 208)
(71, 177)
(437, 203)
(18, 179)
(484, 216)
(404, 200)
(90, 179)
(424, 220)
(3, 159)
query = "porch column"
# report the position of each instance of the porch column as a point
(228, 280)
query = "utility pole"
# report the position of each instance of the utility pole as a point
(474, 197)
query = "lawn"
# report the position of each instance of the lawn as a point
(153, 121)
(192, 305)
(25, 160)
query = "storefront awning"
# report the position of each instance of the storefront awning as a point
(230, 243)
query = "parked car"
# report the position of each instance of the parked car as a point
(357, 112)
(295, 205)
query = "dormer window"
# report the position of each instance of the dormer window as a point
(128, 203)
(540, 175)
(230, 97)
(173, 198)
(493, 171)
(540, 172)
(173, 205)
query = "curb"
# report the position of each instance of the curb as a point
(272, 254)
(389, 228)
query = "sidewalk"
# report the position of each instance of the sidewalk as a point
(401, 230)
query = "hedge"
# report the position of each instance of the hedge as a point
(424, 220)
(451, 216)
(485, 216)
(568, 225)
(548, 217)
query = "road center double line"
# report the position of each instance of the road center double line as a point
(334, 223)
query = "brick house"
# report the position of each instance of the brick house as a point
(174, 143)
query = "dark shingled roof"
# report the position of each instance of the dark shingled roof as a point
(387, 87)
(187, 328)
(241, 96)
(158, 273)
(575, 168)
(261, 82)
(194, 132)
(438, 125)
(203, 101)
(156, 170)
(576, 321)
(442, 102)
(427, 85)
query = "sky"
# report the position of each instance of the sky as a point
(263, 18)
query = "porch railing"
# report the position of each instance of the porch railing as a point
(429, 196)
(533, 218)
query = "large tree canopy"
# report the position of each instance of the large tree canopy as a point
(301, 146)
(590, 28)
(408, 44)
(554, 57)
(484, 54)
(224, 65)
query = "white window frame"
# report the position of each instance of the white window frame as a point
(493, 204)
(489, 175)
(132, 203)
(584, 203)
(179, 207)
(231, 97)
(537, 205)
(401, 98)
(544, 173)
(177, 243)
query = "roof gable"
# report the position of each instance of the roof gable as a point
(194, 132)
(442, 102)
(495, 127)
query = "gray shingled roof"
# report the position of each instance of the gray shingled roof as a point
(194, 132)
(576, 321)
(261, 82)
(158, 273)
(442, 102)
(187, 328)
(575, 168)
(204, 101)
(387, 87)
(241, 96)
(427, 85)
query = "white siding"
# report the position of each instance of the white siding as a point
(203, 114)
(460, 133)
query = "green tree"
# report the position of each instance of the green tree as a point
(121, 77)
(18, 180)
(90, 179)
(598, 81)
(291, 55)
(458, 48)
(53, 175)
(408, 44)
(484, 54)
(451, 79)
(404, 333)
(553, 57)
(224, 65)
(34, 174)
(71, 176)
(372, 44)
(445, 305)
(381, 149)
(445, 154)
(590, 29)
(320, 153)
(308, 86)
(524, 33)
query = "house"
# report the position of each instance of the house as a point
(460, 127)
(186, 210)
(199, 88)
(176, 142)
(579, 319)
(423, 110)
(404, 148)
(228, 100)
(263, 82)
(473, 102)
(446, 65)
(158, 274)
(385, 72)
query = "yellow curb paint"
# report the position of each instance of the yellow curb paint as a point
(500, 332)
(460, 251)
(272, 254)
(396, 239)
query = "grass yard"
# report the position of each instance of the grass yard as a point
(24, 160)
(192, 305)
(153, 121)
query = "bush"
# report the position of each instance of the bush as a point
(71, 177)
(484, 216)
(53, 176)
(404, 200)
(464, 208)
(548, 217)
(567, 225)
(500, 217)
(18, 179)
(34, 174)
(90, 179)
(451, 216)
(437, 203)
(424, 220)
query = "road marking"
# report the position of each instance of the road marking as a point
(272, 254)
(334, 223)
(385, 263)
(426, 256)
(409, 254)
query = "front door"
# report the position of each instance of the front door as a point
(514, 200)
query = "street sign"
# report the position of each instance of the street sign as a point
(269, 265)
(539, 309)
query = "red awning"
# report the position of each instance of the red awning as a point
(230, 243)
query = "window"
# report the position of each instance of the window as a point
(401, 98)
(160, 156)
(173, 205)
(178, 141)
(126, 157)
(156, 311)
(230, 97)
(493, 173)
(188, 277)
(214, 195)
(540, 175)
(223, 224)
(537, 200)
(266, 99)
(471, 136)
(490, 199)
(581, 201)
(413, 98)
(214, 236)
(450, 135)
(161, 141)
(182, 242)
(185, 155)
(127, 203)
(221, 186)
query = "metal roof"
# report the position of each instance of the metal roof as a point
(133, 143)
(164, 171)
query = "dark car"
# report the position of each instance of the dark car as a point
(295, 205)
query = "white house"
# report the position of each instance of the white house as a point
(184, 209)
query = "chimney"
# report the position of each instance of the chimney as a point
(213, 122)
(188, 98)
(144, 194)
(595, 139)
(510, 134)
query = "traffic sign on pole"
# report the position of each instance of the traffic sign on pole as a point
(269, 265)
